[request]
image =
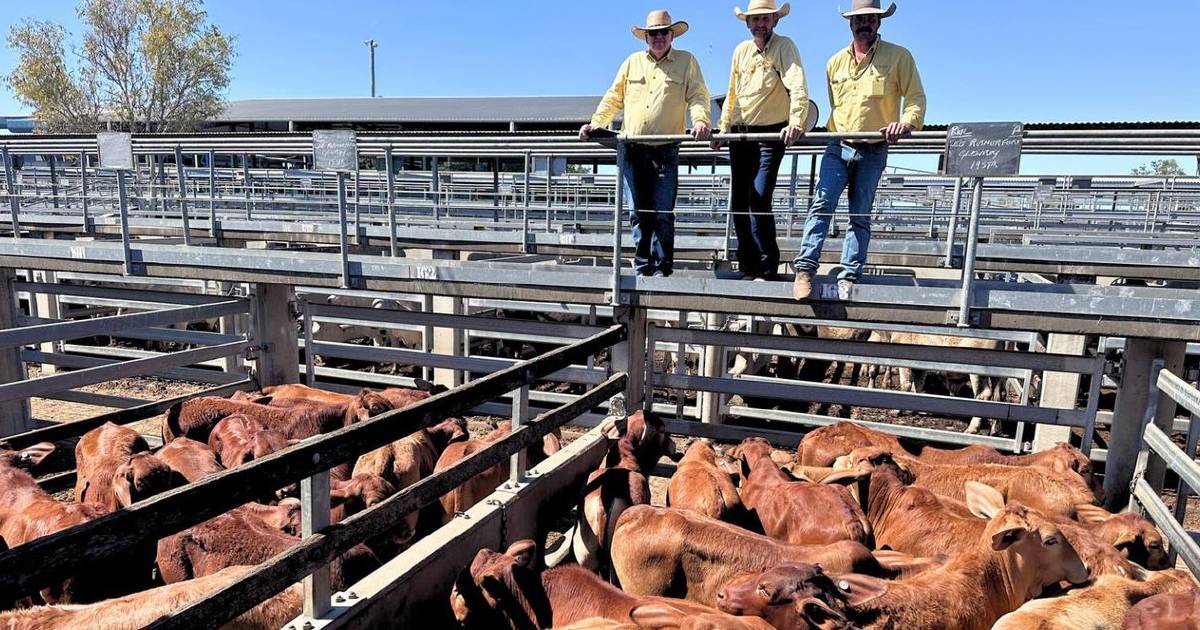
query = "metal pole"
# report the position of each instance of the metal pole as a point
(83, 185)
(14, 202)
(372, 45)
(435, 188)
(183, 207)
(792, 195)
(525, 207)
(53, 180)
(246, 182)
(620, 209)
(212, 194)
(314, 517)
(932, 218)
(952, 227)
(968, 275)
(388, 162)
(520, 417)
(123, 203)
(310, 376)
(343, 247)
(357, 213)
(549, 191)
(729, 222)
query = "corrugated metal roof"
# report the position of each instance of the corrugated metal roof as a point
(480, 109)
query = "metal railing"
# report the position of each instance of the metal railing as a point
(1182, 462)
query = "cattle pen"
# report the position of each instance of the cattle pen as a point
(1090, 287)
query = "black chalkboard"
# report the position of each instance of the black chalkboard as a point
(335, 150)
(984, 149)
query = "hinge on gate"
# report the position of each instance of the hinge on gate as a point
(252, 350)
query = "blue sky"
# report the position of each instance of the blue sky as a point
(1034, 61)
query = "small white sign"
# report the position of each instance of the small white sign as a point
(935, 192)
(116, 150)
(425, 272)
(335, 150)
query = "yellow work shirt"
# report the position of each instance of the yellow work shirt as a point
(766, 86)
(655, 95)
(866, 96)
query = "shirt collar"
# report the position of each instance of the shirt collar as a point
(874, 46)
(765, 49)
(669, 57)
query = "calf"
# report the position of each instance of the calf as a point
(139, 610)
(797, 512)
(502, 590)
(1131, 533)
(239, 439)
(480, 486)
(1166, 611)
(238, 537)
(700, 485)
(191, 459)
(115, 469)
(196, 417)
(356, 494)
(284, 516)
(621, 481)
(1103, 604)
(1017, 556)
(399, 397)
(678, 553)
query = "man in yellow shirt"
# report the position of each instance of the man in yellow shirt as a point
(657, 88)
(867, 81)
(767, 94)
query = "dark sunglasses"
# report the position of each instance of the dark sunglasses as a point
(658, 32)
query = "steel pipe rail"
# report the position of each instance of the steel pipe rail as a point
(75, 329)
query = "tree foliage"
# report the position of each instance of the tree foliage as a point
(1169, 168)
(144, 65)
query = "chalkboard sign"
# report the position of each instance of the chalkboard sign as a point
(984, 149)
(116, 150)
(335, 150)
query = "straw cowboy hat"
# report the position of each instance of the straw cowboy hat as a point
(660, 19)
(762, 7)
(869, 7)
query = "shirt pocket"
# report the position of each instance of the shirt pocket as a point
(754, 80)
(635, 88)
(842, 88)
(876, 82)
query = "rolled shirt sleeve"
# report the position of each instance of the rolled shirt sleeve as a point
(697, 98)
(791, 69)
(730, 95)
(914, 95)
(613, 100)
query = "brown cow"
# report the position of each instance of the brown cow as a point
(823, 446)
(1131, 533)
(284, 516)
(239, 439)
(238, 537)
(356, 494)
(1017, 556)
(1166, 611)
(797, 512)
(400, 397)
(790, 595)
(622, 480)
(678, 553)
(502, 590)
(196, 417)
(191, 459)
(115, 468)
(480, 486)
(142, 609)
(700, 485)
(1102, 604)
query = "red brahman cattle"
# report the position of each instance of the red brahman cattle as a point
(1102, 604)
(699, 484)
(191, 459)
(1167, 611)
(115, 468)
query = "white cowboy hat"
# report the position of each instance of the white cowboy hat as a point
(869, 7)
(762, 7)
(660, 19)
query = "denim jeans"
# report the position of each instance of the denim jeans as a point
(857, 169)
(754, 167)
(651, 175)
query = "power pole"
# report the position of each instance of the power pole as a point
(372, 45)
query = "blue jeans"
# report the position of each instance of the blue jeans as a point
(754, 167)
(651, 175)
(857, 168)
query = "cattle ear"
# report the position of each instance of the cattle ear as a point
(1007, 537)
(34, 455)
(859, 589)
(522, 552)
(87, 483)
(657, 616)
(983, 500)
(1089, 514)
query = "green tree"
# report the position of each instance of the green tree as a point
(1168, 168)
(144, 65)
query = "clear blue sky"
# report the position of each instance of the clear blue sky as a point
(1028, 60)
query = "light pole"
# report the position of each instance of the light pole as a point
(372, 45)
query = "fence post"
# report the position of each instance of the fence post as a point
(520, 417)
(14, 416)
(1133, 398)
(629, 356)
(46, 305)
(1059, 390)
(212, 194)
(968, 274)
(83, 186)
(231, 325)
(952, 225)
(389, 164)
(314, 516)
(183, 204)
(712, 365)
(448, 341)
(14, 201)
(274, 329)
(246, 184)
(123, 203)
(618, 210)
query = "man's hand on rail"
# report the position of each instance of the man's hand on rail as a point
(701, 131)
(894, 131)
(790, 135)
(584, 131)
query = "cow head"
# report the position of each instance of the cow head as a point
(1046, 555)
(358, 493)
(663, 616)
(286, 516)
(1063, 457)
(448, 432)
(142, 476)
(264, 443)
(33, 457)
(1134, 536)
(367, 404)
(788, 596)
(501, 590)
(700, 451)
(870, 457)
(644, 433)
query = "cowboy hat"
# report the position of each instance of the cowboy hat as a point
(762, 7)
(869, 7)
(660, 19)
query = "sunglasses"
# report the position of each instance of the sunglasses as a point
(659, 32)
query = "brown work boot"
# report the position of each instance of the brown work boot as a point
(802, 285)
